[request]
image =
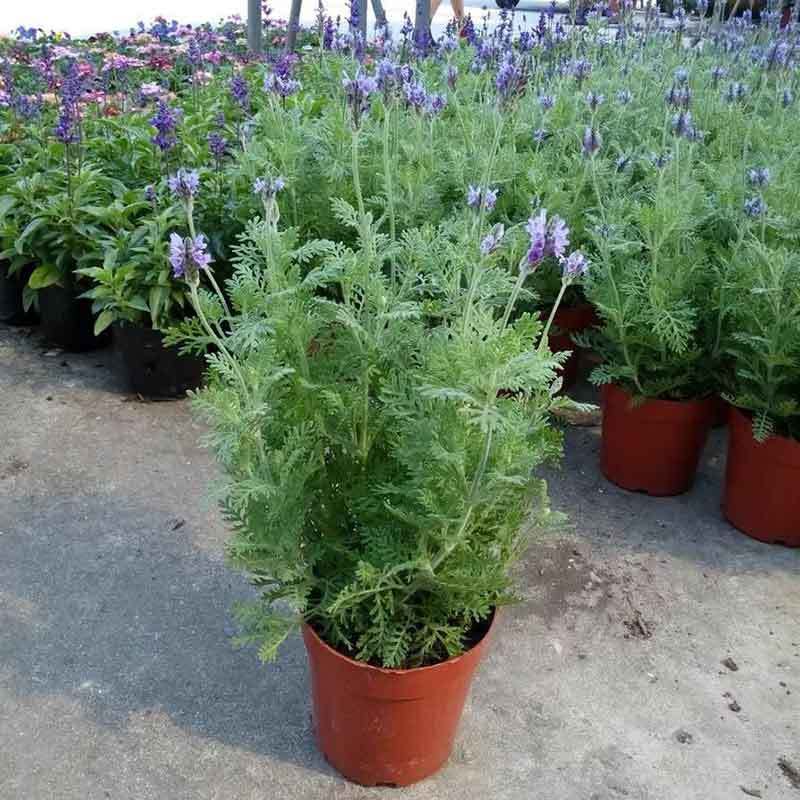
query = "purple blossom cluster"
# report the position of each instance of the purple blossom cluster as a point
(358, 93)
(188, 255)
(548, 237)
(268, 188)
(165, 121)
(240, 92)
(184, 184)
(67, 129)
(481, 197)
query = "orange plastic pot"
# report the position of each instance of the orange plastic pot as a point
(653, 447)
(568, 321)
(762, 484)
(387, 726)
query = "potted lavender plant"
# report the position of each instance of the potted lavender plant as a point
(651, 287)
(763, 342)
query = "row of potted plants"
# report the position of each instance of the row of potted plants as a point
(386, 254)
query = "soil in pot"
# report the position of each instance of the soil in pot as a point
(11, 308)
(386, 726)
(653, 447)
(569, 320)
(151, 368)
(762, 484)
(67, 320)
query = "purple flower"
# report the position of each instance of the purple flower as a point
(165, 122)
(787, 98)
(386, 75)
(594, 100)
(188, 255)
(357, 91)
(546, 101)
(592, 141)
(755, 207)
(682, 125)
(660, 160)
(624, 97)
(240, 92)
(184, 184)
(681, 75)
(193, 54)
(736, 91)
(150, 90)
(451, 75)
(492, 240)
(557, 237)
(218, 146)
(540, 135)
(718, 73)
(67, 129)
(268, 187)
(436, 104)
(328, 31)
(581, 69)
(478, 196)
(547, 238)
(281, 85)
(574, 266)
(415, 94)
(623, 162)
(509, 78)
(758, 176)
(150, 194)
(537, 231)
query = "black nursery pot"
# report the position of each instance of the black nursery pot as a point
(11, 286)
(67, 320)
(152, 368)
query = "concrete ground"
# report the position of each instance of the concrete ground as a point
(118, 680)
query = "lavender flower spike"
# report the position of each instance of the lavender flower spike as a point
(592, 141)
(755, 207)
(188, 256)
(492, 240)
(185, 184)
(574, 266)
(474, 196)
(759, 176)
(268, 187)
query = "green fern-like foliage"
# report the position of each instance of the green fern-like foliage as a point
(651, 285)
(378, 483)
(762, 338)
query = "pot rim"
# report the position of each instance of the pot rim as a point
(653, 402)
(783, 445)
(388, 671)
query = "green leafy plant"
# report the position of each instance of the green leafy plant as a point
(380, 462)
(763, 338)
(651, 285)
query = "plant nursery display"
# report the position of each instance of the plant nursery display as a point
(385, 255)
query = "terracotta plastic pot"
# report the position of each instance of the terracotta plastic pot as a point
(568, 321)
(762, 484)
(385, 726)
(653, 447)
(721, 408)
(151, 368)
